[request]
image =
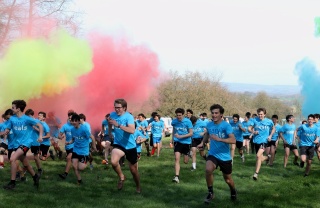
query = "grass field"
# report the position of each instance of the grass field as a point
(276, 186)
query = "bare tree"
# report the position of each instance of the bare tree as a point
(19, 18)
(191, 90)
(199, 91)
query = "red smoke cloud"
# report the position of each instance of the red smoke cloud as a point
(121, 70)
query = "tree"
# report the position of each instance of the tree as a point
(191, 90)
(199, 91)
(21, 18)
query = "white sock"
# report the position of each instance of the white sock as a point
(194, 165)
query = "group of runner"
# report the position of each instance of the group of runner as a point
(122, 136)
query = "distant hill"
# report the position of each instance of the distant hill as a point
(269, 89)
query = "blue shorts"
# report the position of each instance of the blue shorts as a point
(157, 140)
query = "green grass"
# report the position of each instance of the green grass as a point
(276, 186)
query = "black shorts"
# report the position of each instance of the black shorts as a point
(182, 148)
(151, 139)
(69, 151)
(246, 137)
(259, 146)
(239, 145)
(44, 149)
(10, 152)
(196, 142)
(35, 150)
(225, 166)
(308, 151)
(81, 158)
(25, 149)
(271, 143)
(131, 154)
(106, 138)
(291, 146)
(4, 145)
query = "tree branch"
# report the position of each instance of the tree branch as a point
(7, 26)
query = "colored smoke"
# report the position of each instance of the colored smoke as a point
(309, 79)
(42, 67)
(317, 26)
(121, 70)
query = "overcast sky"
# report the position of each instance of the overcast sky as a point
(248, 41)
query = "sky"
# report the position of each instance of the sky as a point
(247, 41)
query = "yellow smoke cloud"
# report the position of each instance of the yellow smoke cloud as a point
(34, 67)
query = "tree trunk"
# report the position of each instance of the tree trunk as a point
(30, 21)
(7, 26)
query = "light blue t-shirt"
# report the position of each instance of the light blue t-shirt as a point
(182, 128)
(22, 128)
(245, 125)
(87, 125)
(206, 120)
(81, 138)
(287, 131)
(66, 129)
(308, 134)
(53, 125)
(2, 128)
(275, 135)
(122, 138)
(157, 128)
(105, 126)
(136, 134)
(12, 143)
(263, 127)
(144, 124)
(198, 129)
(35, 134)
(238, 133)
(220, 150)
(46, 129)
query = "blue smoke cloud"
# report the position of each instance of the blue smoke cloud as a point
(309, 80)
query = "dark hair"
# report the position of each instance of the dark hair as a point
(158, 115)
(122, 102)
(82, 116)
(43, 113)
(108, 115)
(142, 115)
(8, 112)
(179, 110)
(275, 116)
(254, 115)
(316, 115)
(248, 114)
(236, 116)
(75, 117)
(153, 113)
(204, 114)
(21, 104)
(288, 117)
(29, 112)
(193, 119)
(311, 115)
(262, 109)
(217, 106)
(303, 122)
(189, 111)
(70, 113)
